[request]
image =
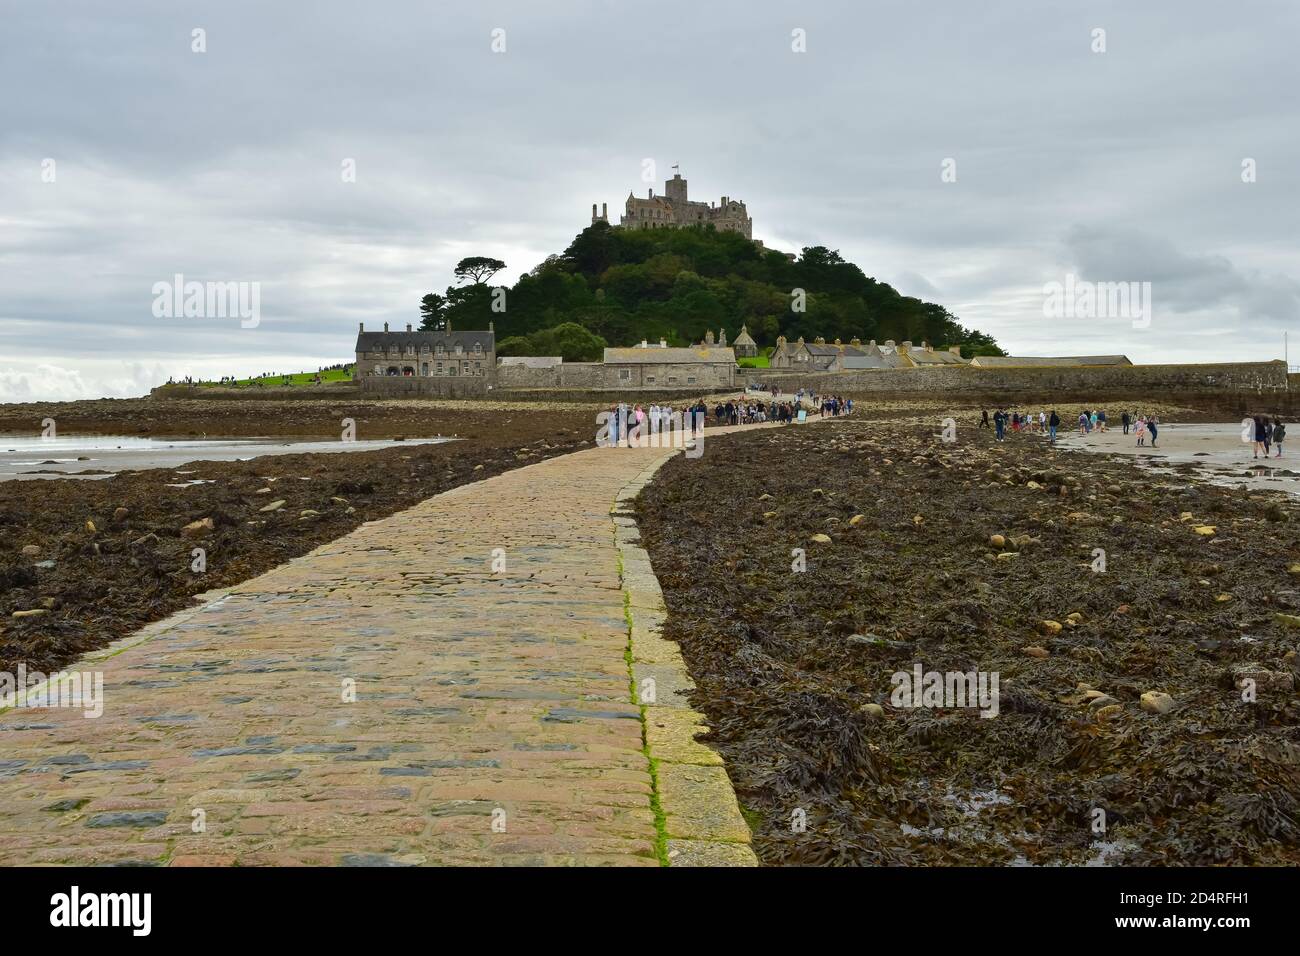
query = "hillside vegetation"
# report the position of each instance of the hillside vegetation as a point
(619, 286)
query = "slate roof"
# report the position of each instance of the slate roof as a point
(1013, 361)
(381, 341)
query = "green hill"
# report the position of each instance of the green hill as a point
(624, 285)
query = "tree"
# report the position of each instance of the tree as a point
(478, 268)
(432, 313)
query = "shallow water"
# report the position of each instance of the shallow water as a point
(24, 457)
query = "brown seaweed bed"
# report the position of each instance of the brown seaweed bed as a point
(793, 670)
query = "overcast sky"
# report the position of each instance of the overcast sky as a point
(228, 165)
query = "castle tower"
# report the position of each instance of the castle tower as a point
(675, 189)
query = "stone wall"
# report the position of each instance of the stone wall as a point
(598, 376)
(1244, 378)
(425, 386)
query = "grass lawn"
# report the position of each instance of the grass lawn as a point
(298, 378)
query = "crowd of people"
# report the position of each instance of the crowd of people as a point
(1089, 421)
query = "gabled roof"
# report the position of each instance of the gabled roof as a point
(744, 338)
(934, 357)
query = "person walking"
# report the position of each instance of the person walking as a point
(1141, 430)
(1268, 435)
(984, 418)
(999, 423)
(1279, 433)
(1053, 424)
(1153, 426)
(1259, 436)
(1124, 420)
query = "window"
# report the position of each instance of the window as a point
(441, 349)
(690, 380)
(649, 379)
(478, 348)
(459, 348)
(625, 375)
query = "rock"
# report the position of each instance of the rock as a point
(918, 520)
(262, 491)
(308, 513)
(1105, 713)
(478, 467)
(769, 515)
(273, 506)
(1032, 485)
(1223, 598)
(1294, 570)
(1287, 620)
(1185, 516)
(1100, 701)
(857, 520)
(873, 710)
(764, 497)
(197, 529)
(338, 501)
(1049, 628)
(817, 492)
(821, 538)
(1035, 651)
(1265, 680)
(31, 550)
(48, 603)
(997, 541)
(1156, 702)
(90, 526)
(34, 612)
(1122, 609)
(1206, 530)
(1007, 555)
(1074, 616)
(146, 539)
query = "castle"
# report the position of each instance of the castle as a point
(673, 210)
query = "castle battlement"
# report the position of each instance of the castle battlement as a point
(673, 210)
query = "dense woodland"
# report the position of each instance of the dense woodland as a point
(619, 286)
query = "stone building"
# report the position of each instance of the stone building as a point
(659, 366)
(673, 210)
(838, 357)
(426, 354)
(745, 346)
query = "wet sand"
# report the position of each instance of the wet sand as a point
(1217, 452)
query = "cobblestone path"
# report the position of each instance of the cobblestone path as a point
(391, 698)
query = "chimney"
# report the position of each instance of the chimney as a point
(385, 326)
(644, 344)
(604, 210)
(491, 327)
(593, 212)
(663, 343)
(361, 326)
(955, 350)
(889, 343)
(408, 326)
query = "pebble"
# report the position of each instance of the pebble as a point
(273, 506)
(120, 514)
(1049, 628)
(873, 710)
(821, 538)
(1035, 651)
(34, 612)
(31, 550)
